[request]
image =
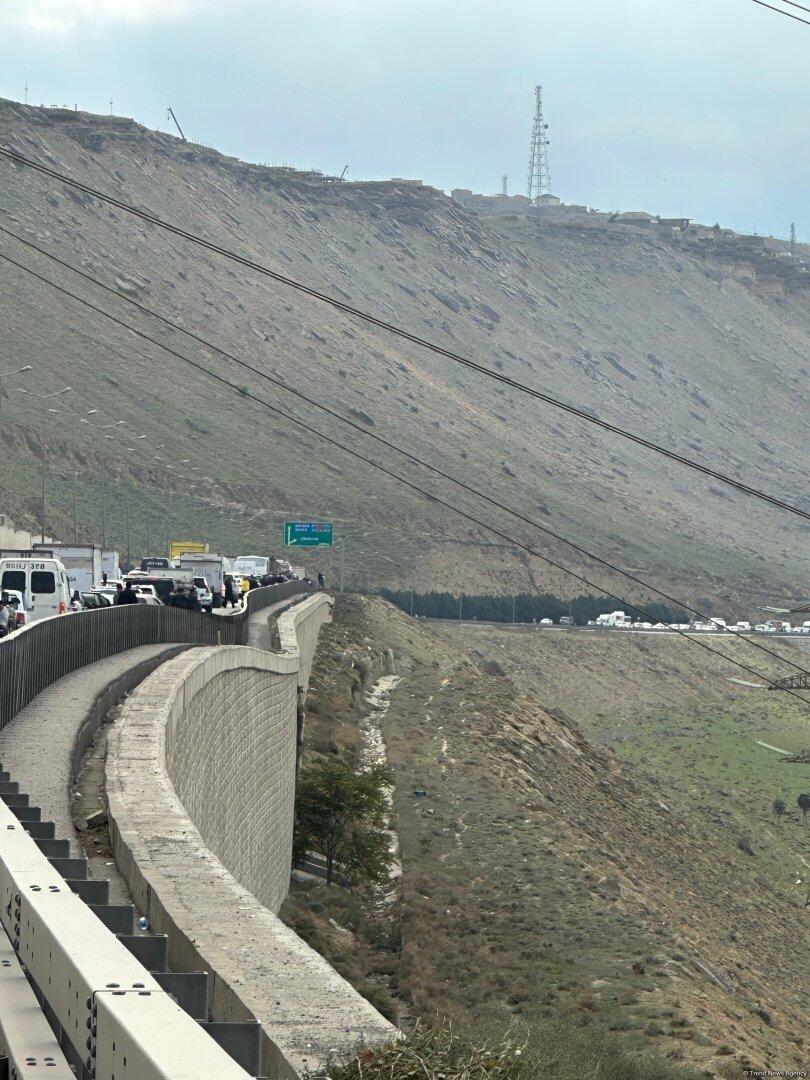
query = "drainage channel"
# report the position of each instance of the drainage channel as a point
(190, 989)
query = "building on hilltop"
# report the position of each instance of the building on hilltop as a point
(545, 205)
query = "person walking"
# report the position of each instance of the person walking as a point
(245, 588)
(321, 579)
(229, 596)
(6, 616)
(127, 595)
(193, 599)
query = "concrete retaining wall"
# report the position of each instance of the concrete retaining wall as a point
(200, 789)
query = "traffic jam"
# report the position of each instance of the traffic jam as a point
(53, 579)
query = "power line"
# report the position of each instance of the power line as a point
(344, 420)
(395, 476)
(406, 335)
(787, 14)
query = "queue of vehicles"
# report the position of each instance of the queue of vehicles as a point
(56, 579)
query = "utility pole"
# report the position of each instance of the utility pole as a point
(75, 526)
(793, 238)
(129, 550)
(504, 184)
(539, 178)
(342, 560)
(171, 116)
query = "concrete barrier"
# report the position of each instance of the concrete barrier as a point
(200, 790)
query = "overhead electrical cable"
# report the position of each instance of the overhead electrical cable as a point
(402, 480)
(406, 335)
(352, 424)
(787, 14)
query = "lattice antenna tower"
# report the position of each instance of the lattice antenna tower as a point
(505, 184)
(539, 179)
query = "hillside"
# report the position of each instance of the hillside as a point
(548, 875)
(607, 317)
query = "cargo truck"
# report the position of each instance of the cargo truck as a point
(184, 547)
(81, 561)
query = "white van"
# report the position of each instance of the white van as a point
(42, 580)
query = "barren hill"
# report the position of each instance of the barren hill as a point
(607, 317)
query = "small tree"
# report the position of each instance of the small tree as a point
(779, 808)
(803, 803)
(343, 815)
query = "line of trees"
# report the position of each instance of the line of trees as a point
(525, 607)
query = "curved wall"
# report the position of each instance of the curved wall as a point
(200, 778)
(230, 754)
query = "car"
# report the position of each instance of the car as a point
(204, 594)
(17, 605)
(92, 601)
(546, 622)
(145, 590)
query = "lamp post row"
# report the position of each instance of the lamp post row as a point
(43, 400)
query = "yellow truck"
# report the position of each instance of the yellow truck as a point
(186, 547)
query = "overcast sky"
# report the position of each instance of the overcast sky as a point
(681, 107)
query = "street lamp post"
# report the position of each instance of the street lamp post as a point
(102, 427)
(43, 398)
(5, 375)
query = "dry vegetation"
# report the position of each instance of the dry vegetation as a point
(546, 878)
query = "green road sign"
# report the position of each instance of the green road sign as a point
(308, 533)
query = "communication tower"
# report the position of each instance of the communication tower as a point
(539, 179)
(504, 183)
(793, 238)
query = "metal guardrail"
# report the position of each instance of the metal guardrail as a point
(36, 656)
(113, 1018)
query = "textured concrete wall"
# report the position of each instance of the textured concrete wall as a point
(219, 724)
(230, 754)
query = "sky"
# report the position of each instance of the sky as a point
(694, 108)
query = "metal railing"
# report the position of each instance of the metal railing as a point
(33, 658)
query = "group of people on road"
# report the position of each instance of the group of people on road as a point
(125, 593)
(187, 599)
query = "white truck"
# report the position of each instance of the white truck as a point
(211, 567)
(615, 618)
(111, 565)
(252, 566)
(82, 562)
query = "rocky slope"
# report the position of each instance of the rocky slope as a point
(607, 317)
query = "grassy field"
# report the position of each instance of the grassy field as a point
(545, 876)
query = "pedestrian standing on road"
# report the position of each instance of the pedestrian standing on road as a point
(6, 616)
(321, 579)
(229, 596)
(76, 601)
(193, 599)
(245, 588)
(127, 595)
(119, 588)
